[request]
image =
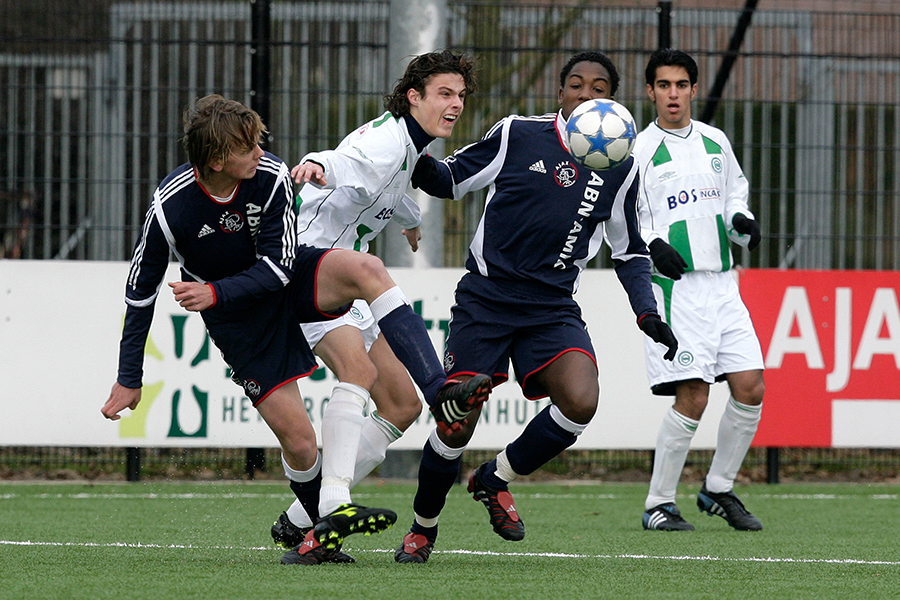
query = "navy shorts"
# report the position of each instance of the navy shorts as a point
(263, 344)
(493, 324)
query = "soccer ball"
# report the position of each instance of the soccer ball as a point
(600, 134)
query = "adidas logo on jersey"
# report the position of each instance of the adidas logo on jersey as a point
(538, 167)
(205, 230)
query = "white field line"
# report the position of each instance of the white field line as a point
(520, 495)
(707, 558)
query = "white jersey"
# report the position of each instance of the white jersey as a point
(691, 188)
(368, 175)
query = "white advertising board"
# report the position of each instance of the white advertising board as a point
(60, 323)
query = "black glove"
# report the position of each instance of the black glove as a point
(747, 227)
(667, 260)
(660, 333)
(426, 169)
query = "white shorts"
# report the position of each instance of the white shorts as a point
(713, 327)
(359, 316)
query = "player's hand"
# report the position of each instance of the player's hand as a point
(666, 259)
(747, 226)
(413, 236)
(426, 170)
(120, 398)
(309, 171)
(193, 296)
(660, 333)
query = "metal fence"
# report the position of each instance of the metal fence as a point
(91, 96)
(89, 125)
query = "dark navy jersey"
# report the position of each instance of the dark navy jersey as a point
(545, 215)
(245, 247)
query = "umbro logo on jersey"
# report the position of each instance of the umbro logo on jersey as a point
(205, 230)
(538, 167)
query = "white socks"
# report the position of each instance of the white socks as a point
(377, 434)
(387, 302)
(736, 431)
(672, 445)
(504, 470)
(342, 425)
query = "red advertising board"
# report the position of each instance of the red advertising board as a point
(831, 344)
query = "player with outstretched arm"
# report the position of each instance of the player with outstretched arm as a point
(228, 216)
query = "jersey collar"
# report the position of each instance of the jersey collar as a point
(416, 133)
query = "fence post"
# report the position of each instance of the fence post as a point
(133, 464)
(260, 60)
(261, 87)
(664, 28)
(256, 461)
(772, 465)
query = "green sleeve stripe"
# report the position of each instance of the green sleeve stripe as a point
(666, 284)
(678, 238)
(661, 155)
(724, 248)
(711, 146)
(382, 120)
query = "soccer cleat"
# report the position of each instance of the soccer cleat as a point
(416, 548)
(456, 399)
(331, 529)
(665, 517)
(728, 506)
(500, 505)
(289, 536)
(310, 552)
(286, 534)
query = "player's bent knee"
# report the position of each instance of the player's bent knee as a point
(408, 414)
(371, 275)
(301, 451)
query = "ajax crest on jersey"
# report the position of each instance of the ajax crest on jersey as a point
(600, 134)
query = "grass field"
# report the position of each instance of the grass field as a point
(211, 540)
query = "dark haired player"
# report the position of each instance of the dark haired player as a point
(544, 219)
(348, 196)
(681, 158)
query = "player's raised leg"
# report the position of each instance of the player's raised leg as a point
(345, 275)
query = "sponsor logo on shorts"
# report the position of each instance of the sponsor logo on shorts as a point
(252, 388)
(449, 360)
(685, 358)
(355, 313)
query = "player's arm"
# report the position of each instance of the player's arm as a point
(472, 167)
(632, 265)
(740, 222)
(408, 215)
(365, 162)
(147, 270)
(665, 258)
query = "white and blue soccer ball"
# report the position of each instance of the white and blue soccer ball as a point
(600, 134)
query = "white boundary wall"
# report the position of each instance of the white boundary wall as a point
(60, 323)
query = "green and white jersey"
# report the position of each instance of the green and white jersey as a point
(368, 175)
(690, 189)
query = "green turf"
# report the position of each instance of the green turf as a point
(195, 540)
